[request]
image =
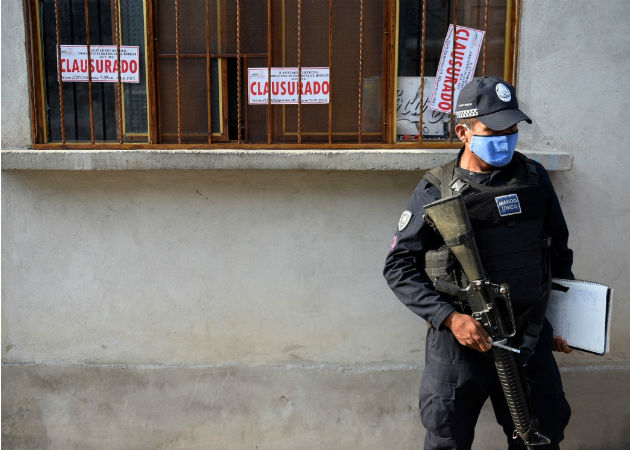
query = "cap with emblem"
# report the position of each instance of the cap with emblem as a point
(492, 101)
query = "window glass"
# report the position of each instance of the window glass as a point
(135, 94)
(252, 45)
(193, 70)
(76, 100)
(345, 75)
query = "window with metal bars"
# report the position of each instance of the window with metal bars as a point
(192, 60)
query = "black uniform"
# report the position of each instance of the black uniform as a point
(457, 380)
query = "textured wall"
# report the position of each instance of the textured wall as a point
(16, 130)
(209, 267)
(573, 83)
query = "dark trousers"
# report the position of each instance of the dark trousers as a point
(458, 380)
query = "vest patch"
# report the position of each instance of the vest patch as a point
(508, 205)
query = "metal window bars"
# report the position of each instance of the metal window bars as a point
(241, 138)
(62, 111)
(208, 73)
(119, 92)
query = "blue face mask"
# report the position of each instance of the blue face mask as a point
(494, 150)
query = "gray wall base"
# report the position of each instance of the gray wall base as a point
(280, 407)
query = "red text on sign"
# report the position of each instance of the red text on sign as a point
(289, 87)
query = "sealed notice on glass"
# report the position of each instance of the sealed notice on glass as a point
(284, 85)
(103, 63)
(457, 66)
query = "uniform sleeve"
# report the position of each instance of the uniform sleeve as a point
(404, 265)
(561, 255)
(561, 260)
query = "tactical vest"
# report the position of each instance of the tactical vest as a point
(509, 226)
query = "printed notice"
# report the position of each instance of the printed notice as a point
(457, 66)
(103, 63)
(580, 312)
(284, 85)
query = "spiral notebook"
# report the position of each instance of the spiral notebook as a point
(580, 312)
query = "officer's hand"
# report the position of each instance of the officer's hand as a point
(468, 331)
(559, 344)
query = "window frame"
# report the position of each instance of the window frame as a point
(219, 140)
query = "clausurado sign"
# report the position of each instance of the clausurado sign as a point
(284, 85)
(456, 68)
(103, 63)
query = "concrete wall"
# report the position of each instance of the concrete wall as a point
(16, 129)
(573, 83)
(246, 309)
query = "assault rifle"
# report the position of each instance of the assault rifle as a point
(490, 304)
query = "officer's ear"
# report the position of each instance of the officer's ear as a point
(462, 133)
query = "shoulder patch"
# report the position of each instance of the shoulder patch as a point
(508, 205)
(404, 220)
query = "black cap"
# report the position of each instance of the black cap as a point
(492, 101)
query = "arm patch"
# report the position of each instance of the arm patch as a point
(405, 218)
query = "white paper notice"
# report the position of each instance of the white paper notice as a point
(457, 66)
(580, 315)
(104, 63)
(284, 85)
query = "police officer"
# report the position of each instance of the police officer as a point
(522, 238)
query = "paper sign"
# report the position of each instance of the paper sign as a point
(456, 67)
(284, 85)
(104, 63)
(408, 104)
